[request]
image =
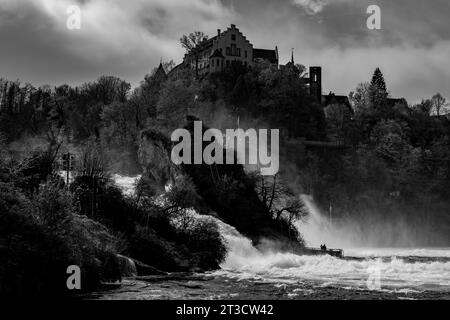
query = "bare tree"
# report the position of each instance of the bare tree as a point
(190, 41)
(279, 199)
(178, 201)
(360, 97)
(438, 103)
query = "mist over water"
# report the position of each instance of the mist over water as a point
(400, 269)
(370, 231)
(319, 228)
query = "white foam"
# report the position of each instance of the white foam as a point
(398, 252)
(125, 183)
(245, 262)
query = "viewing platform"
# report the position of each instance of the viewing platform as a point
(338, 253)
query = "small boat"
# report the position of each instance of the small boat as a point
(338, 253)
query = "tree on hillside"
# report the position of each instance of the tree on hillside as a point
(391, 142)
(424, 107)
(176, 99)
(338, 119)
(108, 89)
(378, 80)
(279, 200)
(360, 98)
(438, 103)
(378, 90)
(190, 41)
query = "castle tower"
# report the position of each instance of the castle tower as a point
(315, 82)
(160, 74)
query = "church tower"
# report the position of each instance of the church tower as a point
(315, 82)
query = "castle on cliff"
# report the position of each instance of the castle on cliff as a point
(232, 46)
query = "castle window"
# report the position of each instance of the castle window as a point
(228, 51)
(233, 49)
(228, 63)
(239, 52)
(245, 53)
(233, 37)
(212, 63)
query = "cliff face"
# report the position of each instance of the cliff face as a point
(154, 157)
(225, 189)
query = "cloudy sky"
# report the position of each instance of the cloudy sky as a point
(128, 38)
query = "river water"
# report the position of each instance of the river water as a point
(388, 269)
(248, 273)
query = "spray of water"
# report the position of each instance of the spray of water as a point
(319, 228)
(246, 262)
(369, 231)
(430, 269)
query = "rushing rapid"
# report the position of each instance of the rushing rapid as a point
(407, 271)
(398, 269)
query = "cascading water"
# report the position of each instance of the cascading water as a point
(400, 270)
(404, 269)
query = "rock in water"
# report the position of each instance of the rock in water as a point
(127, 266)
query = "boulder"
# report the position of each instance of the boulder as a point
(127, 266)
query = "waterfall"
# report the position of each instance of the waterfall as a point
(415, 269)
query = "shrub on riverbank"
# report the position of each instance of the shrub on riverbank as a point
(41, 235)
(45, 227)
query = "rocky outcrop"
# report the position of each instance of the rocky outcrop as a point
(131, 267)
(127, 266)
(225, 189)
(154, 156)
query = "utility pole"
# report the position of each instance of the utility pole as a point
(94, 197)
(67, 169)
(331, 218)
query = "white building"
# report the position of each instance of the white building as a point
(227, 47)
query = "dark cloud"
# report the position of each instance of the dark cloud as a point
(128, 38)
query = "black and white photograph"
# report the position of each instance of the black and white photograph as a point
(224, 156)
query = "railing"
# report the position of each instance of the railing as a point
(332, 252)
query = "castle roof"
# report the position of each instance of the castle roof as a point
(265, 54)
(205, 44)
(393, 101)
(160, 73)
(217, 54)
(331, 98)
